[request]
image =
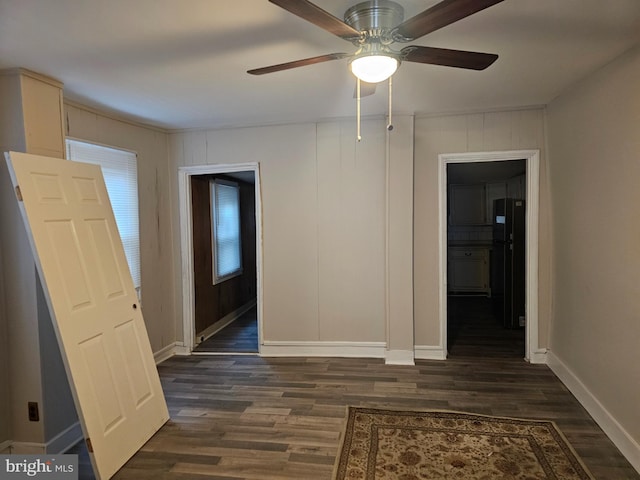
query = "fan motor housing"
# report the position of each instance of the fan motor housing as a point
(374, 17)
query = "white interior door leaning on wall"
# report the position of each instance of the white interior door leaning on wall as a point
(93, 305)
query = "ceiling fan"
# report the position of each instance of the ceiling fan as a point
(374, 26)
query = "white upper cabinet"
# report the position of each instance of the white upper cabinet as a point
(467, 205)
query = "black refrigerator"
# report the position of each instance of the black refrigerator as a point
(508, 262)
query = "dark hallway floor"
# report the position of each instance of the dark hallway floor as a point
(474, 331)
(241, 336)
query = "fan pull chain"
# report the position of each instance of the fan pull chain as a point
(390, 124)
(359, 137)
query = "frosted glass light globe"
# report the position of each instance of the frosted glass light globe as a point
(374, 68)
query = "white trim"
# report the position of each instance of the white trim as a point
(164, 353)
(539, 356)
(532, 158)
(5, 447)
(430, 352)
(65, 439)
(169, 351)
(27, 448)
(186, 242)
(616, 432)
(98, 144)
(323, 349)
(399, 357)
(180, 350)
(224, 321)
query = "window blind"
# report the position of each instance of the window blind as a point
(225, 202)
(120, 171)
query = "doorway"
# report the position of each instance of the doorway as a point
(223, 315)
(485, 270)
(224, 251)
(472, 285)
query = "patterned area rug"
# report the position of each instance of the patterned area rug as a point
(403, 445)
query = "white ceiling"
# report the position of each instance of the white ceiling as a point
(182, 63)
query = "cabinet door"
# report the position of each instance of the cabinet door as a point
(468, 270)
(467, 205)
(42, 110)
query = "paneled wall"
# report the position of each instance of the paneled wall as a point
(4, 367)
(481, 132)
(323, 216)
(213, 302)
(594, 140)
(156, 248)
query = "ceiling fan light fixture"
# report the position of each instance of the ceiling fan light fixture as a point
(374, 68)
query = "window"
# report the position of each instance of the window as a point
(120, 171)
(225, 221)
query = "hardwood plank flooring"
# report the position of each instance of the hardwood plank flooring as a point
(241, 336)
(473, 330)
(247, 417)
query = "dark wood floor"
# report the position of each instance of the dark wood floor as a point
(241, 336)
(247, 417)
(473, 330)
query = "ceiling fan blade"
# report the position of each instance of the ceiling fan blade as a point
(366, 89)
(448, 58)
(323, 19)
(298, 63)
(438, 16)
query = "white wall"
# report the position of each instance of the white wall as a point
(323, 213)
(156, 248)
(20, 279)
(4, 365)
(594, 140)
(479, 132)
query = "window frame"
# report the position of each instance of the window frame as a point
(212, 200)
(135, 276)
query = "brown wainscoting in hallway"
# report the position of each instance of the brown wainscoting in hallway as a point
(247, 417)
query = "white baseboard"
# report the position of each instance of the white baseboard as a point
(616, 432)
(5, 447)
(399, 357)
(323, 349)
(539, 356)
(169, 351)
(181, 349)
(164, 353)
(224, 321)
(58, 444)
(28, 448)
(430, 352)
(65, 439)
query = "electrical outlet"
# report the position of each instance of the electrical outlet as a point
(34, 414)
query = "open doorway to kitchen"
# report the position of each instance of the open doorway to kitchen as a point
(221, 231)
(482, 311)
(485, 258)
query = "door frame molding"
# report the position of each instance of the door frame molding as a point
(186, 243)
(533, 353)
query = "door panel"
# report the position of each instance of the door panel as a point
(93, 304)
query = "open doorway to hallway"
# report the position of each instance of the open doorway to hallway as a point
(223, 208)
(486, 258)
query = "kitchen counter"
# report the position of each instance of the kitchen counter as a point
(469, 243)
